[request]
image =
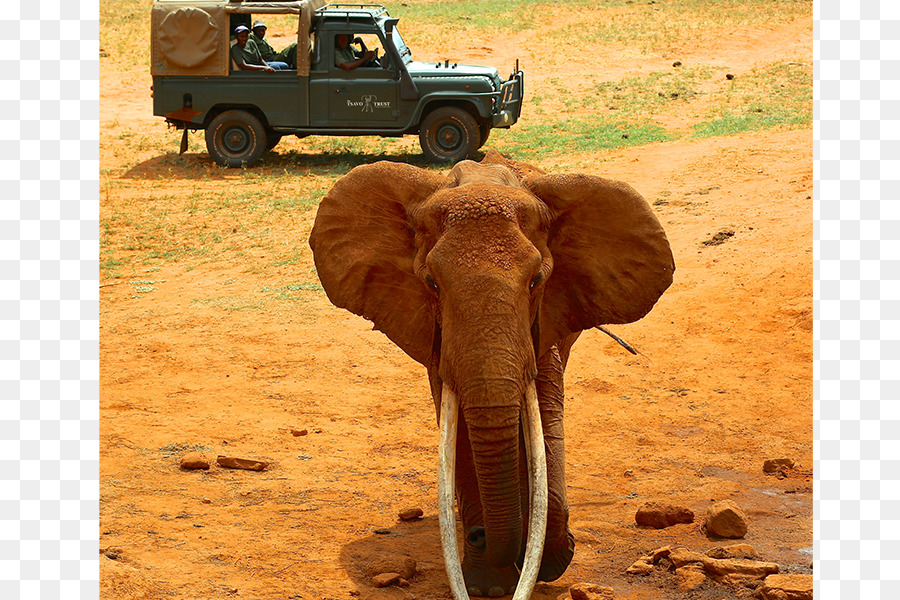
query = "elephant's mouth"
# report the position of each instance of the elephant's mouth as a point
(537, 483)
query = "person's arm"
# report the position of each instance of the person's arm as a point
(350, 65)
(239, 59)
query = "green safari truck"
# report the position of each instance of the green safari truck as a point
(198, 86)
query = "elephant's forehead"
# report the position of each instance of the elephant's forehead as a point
(473, 202)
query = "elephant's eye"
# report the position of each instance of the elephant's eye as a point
(537, 279)
(430, 281)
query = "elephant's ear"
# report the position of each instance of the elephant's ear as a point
(611, 258)
(363, 247)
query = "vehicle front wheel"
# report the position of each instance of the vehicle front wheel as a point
(236, 138)
(449, 134)
(485, 129)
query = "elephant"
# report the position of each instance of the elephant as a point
(487, 276)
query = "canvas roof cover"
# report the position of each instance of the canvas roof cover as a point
(193, 38)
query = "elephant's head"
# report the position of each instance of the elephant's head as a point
(476, 275)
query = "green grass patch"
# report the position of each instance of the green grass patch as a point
(779, 95)
(577, 135)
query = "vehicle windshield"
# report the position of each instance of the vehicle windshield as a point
(402, 48)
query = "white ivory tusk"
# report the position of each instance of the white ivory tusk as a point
(537, 482)
(446, 495)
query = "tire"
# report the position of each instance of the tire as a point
(485, 129)
(236, 138)
(449, 134)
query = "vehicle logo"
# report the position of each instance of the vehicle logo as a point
(368, 103)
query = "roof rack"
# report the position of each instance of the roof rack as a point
(352, 10)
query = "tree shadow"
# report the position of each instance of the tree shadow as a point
(420, 540)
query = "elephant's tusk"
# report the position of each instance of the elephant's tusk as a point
(446, 497)
(537, 482)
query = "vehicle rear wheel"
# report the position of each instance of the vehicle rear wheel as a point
(449, 134)
(236, 138)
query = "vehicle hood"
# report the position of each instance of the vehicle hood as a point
(424, 69)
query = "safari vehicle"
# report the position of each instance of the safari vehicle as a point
(196, 85)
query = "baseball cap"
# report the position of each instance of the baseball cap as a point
(240, 28)
(259, 24)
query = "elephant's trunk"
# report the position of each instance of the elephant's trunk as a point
(494, 437)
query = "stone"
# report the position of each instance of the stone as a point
(755, 569)
(385, 579)
(590, 591)
(726, 519)
(230, 462)
(787, 587)
(733, 551)
(777, 464)
(682, 556)
(660, 516)
(690, 577)
(193, 461)
(299, 432)
(404, 566)
(640, 567)
(660, 553)
(410, 514)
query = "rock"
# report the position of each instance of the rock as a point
(733, 551)
(404, 566)
(382, 531)
(787, 587)
(720, 568)
(402, 582)
(774, 465)
(690, 577)
(590, 591)
(677, 63)
(729, 76)
(660, 553)
(194, 460)
(385, 579)
(299, 432)
(230, 462)
(660, 516)
(682, 556)
(640, 567)
(410, 514)
(726, 519)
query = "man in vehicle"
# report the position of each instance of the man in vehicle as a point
(258, 36)
(346, 56)
(246, 55)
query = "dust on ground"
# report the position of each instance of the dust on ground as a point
(190, 362)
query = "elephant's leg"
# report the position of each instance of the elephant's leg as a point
(481, 578)
(559, 545)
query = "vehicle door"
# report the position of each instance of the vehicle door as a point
(365, 96)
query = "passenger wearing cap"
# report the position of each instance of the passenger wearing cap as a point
(246, 55)
(288, 55)
(258, 36)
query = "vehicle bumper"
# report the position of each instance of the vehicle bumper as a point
(510, 104)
